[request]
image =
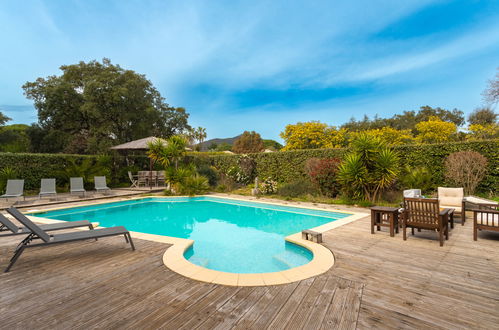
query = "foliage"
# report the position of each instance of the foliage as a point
(210, 172)
(388, 135)
(3, 119)
(168, 152)
(6, 173)
(248, 142)
(197, 134)
(466, 169)
(406, 120)
(272, 145)
(312, 135)
(92, 106)
(368, 169)
(491, 94)
(481, 132)
(323, 174)
(87, 169)
(268, 186)
(193, 185)
(297, 188)
(14, 138)
(416, 178)
(435, 130)
(482, 116)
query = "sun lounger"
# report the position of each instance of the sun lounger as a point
(8, 228)
(76, 186)
(47, 188)
(15, 188)
(47, 240)
(100, 184)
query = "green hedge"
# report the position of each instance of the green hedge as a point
(287, 166)
(33, 167)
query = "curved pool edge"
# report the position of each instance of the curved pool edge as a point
(173, 257)
(323, 260)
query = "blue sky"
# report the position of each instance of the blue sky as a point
(259, 65)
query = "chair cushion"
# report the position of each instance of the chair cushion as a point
(487, 219)
(452, 197)
(457, 209)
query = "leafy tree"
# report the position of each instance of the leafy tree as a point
(406, 120)
(248, 142)
(491, 94)
(223, 147)
(482, 116)
(368, 169)
(92, 106)
(272, 145)
(480, 132)
(13, 138)
(389, 135)
(435, 130)
(313, 135)
(3, 119)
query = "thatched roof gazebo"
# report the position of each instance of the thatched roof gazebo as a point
(141, 144)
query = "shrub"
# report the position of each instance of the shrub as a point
(466, 169)
(209, 172)
(5, 174)
(193, 185)
(416, 178)
(297, 188)
(370, 168)
(323, 174)
(268, 186)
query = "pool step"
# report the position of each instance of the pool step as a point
(203, 262)
(282, 259)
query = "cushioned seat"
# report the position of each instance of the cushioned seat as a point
(452, 198)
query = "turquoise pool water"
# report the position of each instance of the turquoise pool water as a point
(230, 236)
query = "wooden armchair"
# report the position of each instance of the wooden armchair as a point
(424, 213)
(453, 198)
(485, 217)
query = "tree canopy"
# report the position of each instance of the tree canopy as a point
(3, 119)
(482, 116)
(248, 142)
(92, 106)
(491, 94)
(406, 120)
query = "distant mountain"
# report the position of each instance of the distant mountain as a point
(206, 144)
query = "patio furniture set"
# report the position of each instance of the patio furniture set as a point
(436, 214)
(147, 179)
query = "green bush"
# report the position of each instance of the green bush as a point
(297, 188)
(193, 185)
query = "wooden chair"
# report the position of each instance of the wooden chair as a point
(485, 217)
(425, 213)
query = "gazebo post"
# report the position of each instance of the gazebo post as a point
(150, 173)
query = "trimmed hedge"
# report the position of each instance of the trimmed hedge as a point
(284, 166)
(288, 166)
(34, 167)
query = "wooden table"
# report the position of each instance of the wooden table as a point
(383, 216)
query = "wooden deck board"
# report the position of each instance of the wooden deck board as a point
(376, 282)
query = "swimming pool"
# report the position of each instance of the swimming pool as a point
(229, 235)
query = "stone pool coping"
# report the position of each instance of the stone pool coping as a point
(173, 258)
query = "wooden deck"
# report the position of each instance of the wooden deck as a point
(377, 281)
